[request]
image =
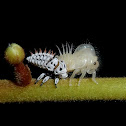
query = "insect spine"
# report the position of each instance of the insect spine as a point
(40, 59)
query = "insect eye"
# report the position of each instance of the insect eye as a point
(94, 63)
(60, 69)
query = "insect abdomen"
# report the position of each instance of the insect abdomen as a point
(40, 59)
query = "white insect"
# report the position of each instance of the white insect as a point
(82, 61)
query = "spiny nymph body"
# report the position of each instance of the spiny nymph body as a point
(48, 61)
(82, 61)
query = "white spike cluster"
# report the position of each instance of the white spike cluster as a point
(68, 49)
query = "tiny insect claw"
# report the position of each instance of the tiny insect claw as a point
(39, 78)
(45, 80)
(56, 82)
(93, 79)
(36, 82)
(56, 85)
(41, 84)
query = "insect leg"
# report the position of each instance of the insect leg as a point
(82, 76)
(56, 82)
(40, 77)
(93, 77)
(73, 75)
(45, 79)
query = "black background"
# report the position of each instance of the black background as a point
(39, 27)
(106, 32)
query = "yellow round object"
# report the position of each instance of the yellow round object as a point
(14, 54)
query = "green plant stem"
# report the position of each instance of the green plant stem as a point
(106, 89)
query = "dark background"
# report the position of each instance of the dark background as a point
(105, 32)
(39, 27)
